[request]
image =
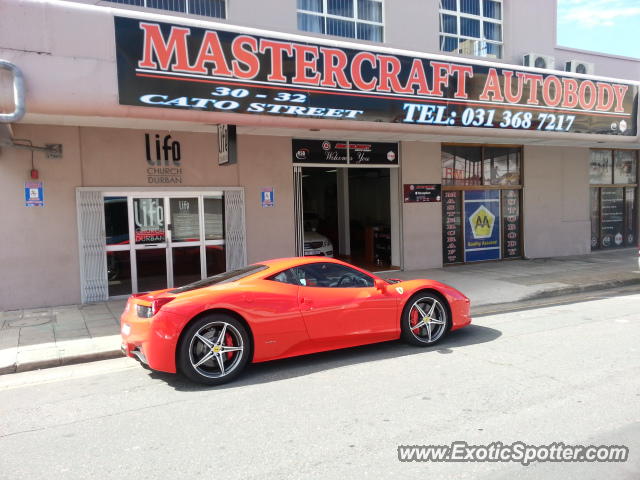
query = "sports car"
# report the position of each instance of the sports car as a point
(211, 329)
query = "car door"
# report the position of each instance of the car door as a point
(341, 306)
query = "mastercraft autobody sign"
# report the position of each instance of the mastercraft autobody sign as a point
(185, 67)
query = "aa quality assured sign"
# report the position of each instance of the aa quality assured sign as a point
(482, 225)
(173, 66)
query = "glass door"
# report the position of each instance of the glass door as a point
(159, 241)
(150, 243)
(215, 259)
(185, 241)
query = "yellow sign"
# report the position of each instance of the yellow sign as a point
(482, 222)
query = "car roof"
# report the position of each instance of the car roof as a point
(283, 263)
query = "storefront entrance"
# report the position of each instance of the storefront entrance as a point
(481, 204)
(176, 240)
(347, 215)
(614, 181)
(137, 241)
(347, 202)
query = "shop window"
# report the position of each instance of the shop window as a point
(361, 19)
(461, 166)
(481, 203)
(614, 180)
(471, 27)
(205, 8)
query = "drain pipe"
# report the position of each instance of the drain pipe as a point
(6, 137)
(18, 93)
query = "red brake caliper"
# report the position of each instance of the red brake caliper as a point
(228, 341)
(414, 317)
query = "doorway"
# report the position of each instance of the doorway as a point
(156, 241)
(347, 213)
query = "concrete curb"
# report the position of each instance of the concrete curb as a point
(60, 362)
(553, 293)
(63, 353)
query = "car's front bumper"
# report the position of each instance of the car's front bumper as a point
(320, 252)
(460, 311)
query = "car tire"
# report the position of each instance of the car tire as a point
(434, 328)
(214, 349)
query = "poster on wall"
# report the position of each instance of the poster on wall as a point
(611, 217)
(149, 220)
(511, 223)
(164, 65)
(481, 225)
(421, 192)
(452, 241)
(185, 219)
(267, 198)
(33, 194)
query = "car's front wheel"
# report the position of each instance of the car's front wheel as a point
(425, 319)
(214, 349)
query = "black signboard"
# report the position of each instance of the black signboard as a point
(420, 192)
(192, 68)
(342, 152)
(611, 217)
(630, 215)
(511, 222)
(452, 234)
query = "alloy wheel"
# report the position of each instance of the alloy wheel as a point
(216, 349)
(427, 319)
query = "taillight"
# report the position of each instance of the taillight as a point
(144, 311)
(158, 303)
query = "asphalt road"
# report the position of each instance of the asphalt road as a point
(563, 373)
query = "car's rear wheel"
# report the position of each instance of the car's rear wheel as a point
(214, 349)
(425, 319)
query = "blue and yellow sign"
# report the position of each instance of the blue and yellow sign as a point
(33, 194)
(481, 225)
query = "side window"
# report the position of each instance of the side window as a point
(286, 276)
(331, 275)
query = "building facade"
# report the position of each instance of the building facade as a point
(159, 147)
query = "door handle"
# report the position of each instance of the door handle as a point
(306, 302)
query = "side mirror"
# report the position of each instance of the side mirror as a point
(381, 285)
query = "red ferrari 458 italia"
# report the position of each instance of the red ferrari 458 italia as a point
(211, 329)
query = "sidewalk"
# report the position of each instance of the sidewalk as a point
(48, 337)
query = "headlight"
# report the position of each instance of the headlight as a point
(326, 243)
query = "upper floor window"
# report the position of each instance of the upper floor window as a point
(471, 27)
(205, 8)
(361, 19)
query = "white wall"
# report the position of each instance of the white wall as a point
(556, 201)
(39, 245)
(266, 162)
(421, 222)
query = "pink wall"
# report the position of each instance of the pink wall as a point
(39, 245)
(266, 162)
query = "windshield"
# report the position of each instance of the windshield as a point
(225, 277)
